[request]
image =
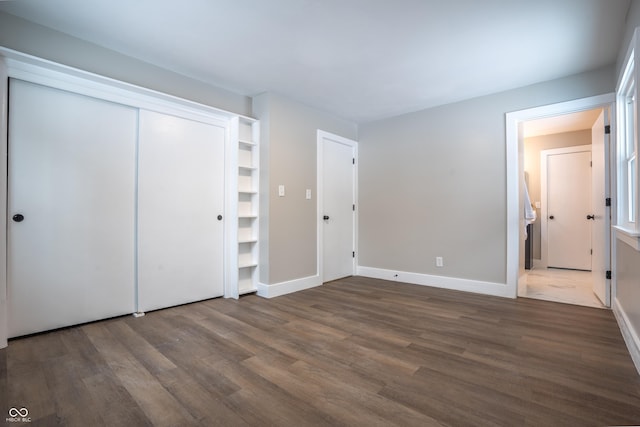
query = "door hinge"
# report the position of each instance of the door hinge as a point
(354, 208)
(607, 201)
(354, 254)
(608, 274)
(591, 251)
(591, 164)
(607, 129)
(354, 160)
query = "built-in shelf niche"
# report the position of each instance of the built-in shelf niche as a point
(245, 277)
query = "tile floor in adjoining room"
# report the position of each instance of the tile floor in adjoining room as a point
(565, 286)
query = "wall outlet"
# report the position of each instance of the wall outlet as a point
(281, 190)
(439, 261)
(308, 194)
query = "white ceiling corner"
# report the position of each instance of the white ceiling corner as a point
(359, 59)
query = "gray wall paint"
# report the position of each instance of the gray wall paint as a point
(628, 282)
(433, 183)
(37, 40)
(532, 148)
(289, 134)
(632, 21)
(627, 290)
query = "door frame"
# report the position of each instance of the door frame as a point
(4, 105)
(515, 172)
(321, 137)
(544, 213)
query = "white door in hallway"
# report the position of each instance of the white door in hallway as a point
(568, 205)
(71, 208)
(338, 202)
(601, 236)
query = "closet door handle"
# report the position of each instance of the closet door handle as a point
(326, 217)
(551, 217)
(591, 217)
(18, 217)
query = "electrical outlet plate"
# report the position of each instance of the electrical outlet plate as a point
(439, 261)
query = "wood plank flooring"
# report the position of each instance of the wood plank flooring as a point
(356, 352)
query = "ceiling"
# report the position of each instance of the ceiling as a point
(582, 120)
(359, 59)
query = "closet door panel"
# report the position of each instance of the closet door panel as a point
(180, 195)
(71, 178)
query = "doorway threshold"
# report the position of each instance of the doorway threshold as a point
(560, 285)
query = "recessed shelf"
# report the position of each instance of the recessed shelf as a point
(248, 265)
(246, 287)
(246, 205)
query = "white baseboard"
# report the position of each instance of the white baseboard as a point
(629, 333)
(487, 288)
(283, 288)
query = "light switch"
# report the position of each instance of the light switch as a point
(281, 190)
(308, 194)
(538, 205)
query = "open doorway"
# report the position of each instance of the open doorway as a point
(565, 242)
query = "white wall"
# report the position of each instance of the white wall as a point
(433, 183)
(627, 262)
(43, 42)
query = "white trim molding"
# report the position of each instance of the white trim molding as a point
(452, 283)
(630, 237)
(514, 169)
(629, 334)
(283, 288)
(4, 107)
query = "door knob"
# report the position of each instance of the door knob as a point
(591, 217)
(326, 217)
(18, 217)
(551, 217)
(219, 217)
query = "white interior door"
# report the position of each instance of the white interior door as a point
(601, 237)
(338, 201)
(180, 198)
(568, 204)
(71, 196)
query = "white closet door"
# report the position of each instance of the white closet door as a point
(180, 196)
(338, 198)
(71, 178)
(568, 204)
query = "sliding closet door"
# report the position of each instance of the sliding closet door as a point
(71, 208)
(180, 207)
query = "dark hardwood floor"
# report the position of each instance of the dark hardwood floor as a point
(352, 352)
